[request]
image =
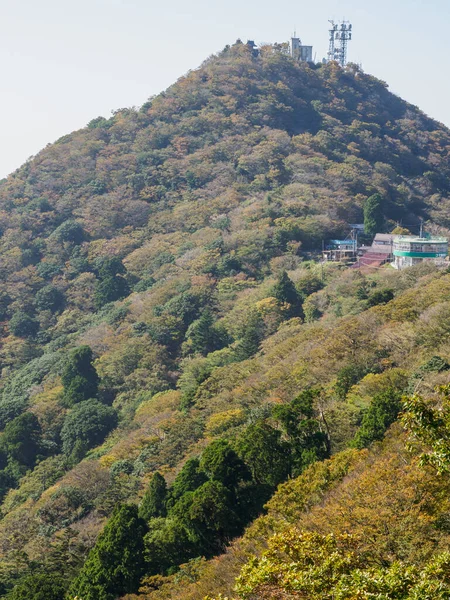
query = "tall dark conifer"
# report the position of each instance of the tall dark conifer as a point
(79, 377)
(373, 214)
(116, 563)
(284, 291)
(154, 501)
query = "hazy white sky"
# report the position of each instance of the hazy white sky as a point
(64, 62)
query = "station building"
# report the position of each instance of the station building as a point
(409, 250)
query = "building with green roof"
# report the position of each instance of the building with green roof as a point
(409, 250)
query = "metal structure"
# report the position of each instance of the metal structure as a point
(340, 35)
(341, 250)
(300, 52)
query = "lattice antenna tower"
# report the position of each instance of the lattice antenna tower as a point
(340, 36)
(331, 47)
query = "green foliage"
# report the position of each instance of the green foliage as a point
(154, 501)
(286, 294)
(22, 325)
(87, 424)
(380, 297)
(436, 364)
(267, 456)
(116, 563)
(382, 412)
(20, 439)
(48, 270)
(79, 377)
(221, 463)
(308, 284)
(39, 586)
(211, 516)
(188, 479)
(69, 231)
(111, 285)
(298, 419)
(17, 390)
(5, 301)
(251, 338)
(373, 215)
(322, 567)
(31, 255)
(195, 201)
(347, 377)
(203, 336)
(168, 543)
(427, 422)
(49, 298)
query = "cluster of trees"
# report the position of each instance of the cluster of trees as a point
(319, 566)
(210, 501)
(51, 300)
(89, 420)
(427, 422)
(264, 449)
(85, 425)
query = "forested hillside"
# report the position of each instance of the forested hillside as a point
(171, 352)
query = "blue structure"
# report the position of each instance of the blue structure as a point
(340, 250)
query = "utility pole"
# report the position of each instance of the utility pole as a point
(321, 262)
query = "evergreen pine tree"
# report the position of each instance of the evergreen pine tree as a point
(49, 298)
(284, 291)
(221, 463)
(39, 586)
(110, 285)
(116, 563)
(188, 479)
(303, 430)
(154, 501)
(266, 454)
(79, 377)
(201, 334)
(20, 439)
(88, 422)
(253, 333)
(382, 412)
(22, 325)
(373, 214)
(211, 516)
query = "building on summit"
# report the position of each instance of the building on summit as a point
(300, 52)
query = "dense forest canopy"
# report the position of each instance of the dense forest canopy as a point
(171, 352)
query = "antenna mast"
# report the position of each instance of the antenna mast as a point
(331, 48)
(340, 35)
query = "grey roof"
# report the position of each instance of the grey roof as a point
(383, 237)
(381, 249)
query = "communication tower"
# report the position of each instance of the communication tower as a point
(340, 35)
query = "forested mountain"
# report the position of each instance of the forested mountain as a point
(171, 352)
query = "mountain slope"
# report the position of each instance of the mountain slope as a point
(146, 312)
